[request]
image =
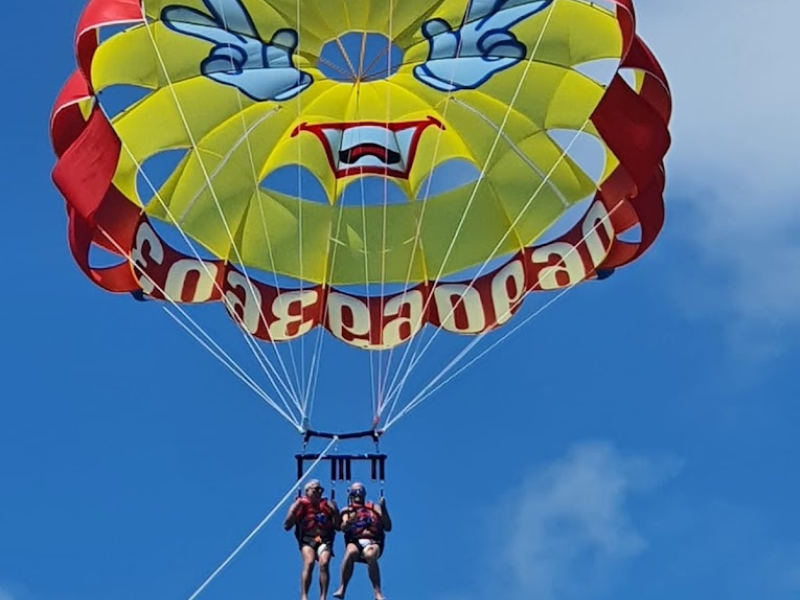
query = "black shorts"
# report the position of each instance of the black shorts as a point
(314, 542)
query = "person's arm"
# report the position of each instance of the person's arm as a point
(385, 518)
(337, 517)
(291, 516)
(346, 520)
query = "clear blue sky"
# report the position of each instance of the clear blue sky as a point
(638, 440)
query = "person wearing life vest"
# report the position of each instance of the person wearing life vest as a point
(315, 520)
(364, 525)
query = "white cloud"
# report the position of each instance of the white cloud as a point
(781, 568)
(733, 72)
(712, 547)
(6, 594)
(567, 527)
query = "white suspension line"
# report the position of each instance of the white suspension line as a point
(431, 388)
(417, 357)
(271, 373)
(231, 363)
(424, 201)
(332, 255)
(427, 391)
(313, 374)
(234, 368)
(247, 133)
(393, 397)
(299, 103)
(201, 163)
(388, 49)
(373, 395)
(263, 522)
(529, 63)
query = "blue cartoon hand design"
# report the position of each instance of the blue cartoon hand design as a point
(468, 57)
(239, 58)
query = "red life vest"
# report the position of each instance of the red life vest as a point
(368, 523)
(315, 519)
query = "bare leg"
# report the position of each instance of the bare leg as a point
(324, 574)
(371, 555)
(350, 555)
(309, 556)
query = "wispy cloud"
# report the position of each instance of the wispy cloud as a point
(710, 547)
(599, 522)
(566, 529)
(5, 594)
(733, 166)
(781, 567)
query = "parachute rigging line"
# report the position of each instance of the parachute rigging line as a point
(299, 104)
(472, 196)
(315, 363)
(263, 522)
(247, 132)
(226, 360)
(417, 356)
(427, 391)
(193, 142)
(258, 352)
(229, 362)
(378, 401)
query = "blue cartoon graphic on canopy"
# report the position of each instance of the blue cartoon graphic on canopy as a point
(458, 59)
(262, 71)
(467, 57)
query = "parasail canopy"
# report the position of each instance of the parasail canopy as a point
(400, 163)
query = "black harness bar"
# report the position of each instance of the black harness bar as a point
(370, 433)
(341, 465)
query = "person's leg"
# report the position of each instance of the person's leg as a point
(309, 555)
(371, 555)
(324, 573)
(350, 555)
